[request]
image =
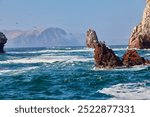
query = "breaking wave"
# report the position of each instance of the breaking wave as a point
(69, 73)
(128, 91)
(134, 68)
(52, 51)
(47, 59)
(16, 71)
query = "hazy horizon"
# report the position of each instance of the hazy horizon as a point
(113, 20)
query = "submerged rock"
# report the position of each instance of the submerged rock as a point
(132, 58)
(91, 39)
(3, 41)
(140, 37)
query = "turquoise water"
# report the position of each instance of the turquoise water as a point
(69, 73)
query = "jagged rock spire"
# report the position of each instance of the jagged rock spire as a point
(91, 38)
(104, 57)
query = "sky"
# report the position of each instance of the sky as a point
(113, 20)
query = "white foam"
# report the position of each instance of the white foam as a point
(147, 54)
(118, 49)
(77, 59)
(144, 49)
(82, 50)
(134, 68)
(34, 52)
(136, 49)
(16, 71)
(129, 91)
(47, 59)
(51, 51)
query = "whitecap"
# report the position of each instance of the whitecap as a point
(123, 68)
(16, 71)
(119, 49)
(82, 50)
(52, 51)
(46, 59)
(128, 91)
(144, 49)
(134, 68)
(31, 60)
(148, 54)
(79, 59)
(34, 52)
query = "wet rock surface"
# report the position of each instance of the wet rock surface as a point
(3, 41)
(105, 57)
(132, 58)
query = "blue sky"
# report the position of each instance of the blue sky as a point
(113, 20)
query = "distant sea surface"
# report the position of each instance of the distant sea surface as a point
(68, 73)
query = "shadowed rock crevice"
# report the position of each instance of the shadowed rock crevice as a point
(3, 41)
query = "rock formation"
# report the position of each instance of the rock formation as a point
(140, 37)
(91, 38)
(104, 57)
(132, 58)
(3, 40)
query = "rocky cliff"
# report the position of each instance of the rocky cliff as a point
(3, 41)
(140, 37)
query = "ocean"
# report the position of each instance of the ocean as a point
(68, 73)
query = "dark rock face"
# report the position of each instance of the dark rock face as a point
(3, 40)
(91, 39)
(132, 58)
(105, 57)
(140, 37)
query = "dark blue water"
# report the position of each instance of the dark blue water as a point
(69, 73)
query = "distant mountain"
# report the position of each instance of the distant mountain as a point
(43, 38)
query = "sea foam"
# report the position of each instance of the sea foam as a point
(52, 51)
(134, 68)
(128, 91)
(47, 59)
(16, 71)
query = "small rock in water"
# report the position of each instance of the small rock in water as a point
(132, 58)
(3, 41)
